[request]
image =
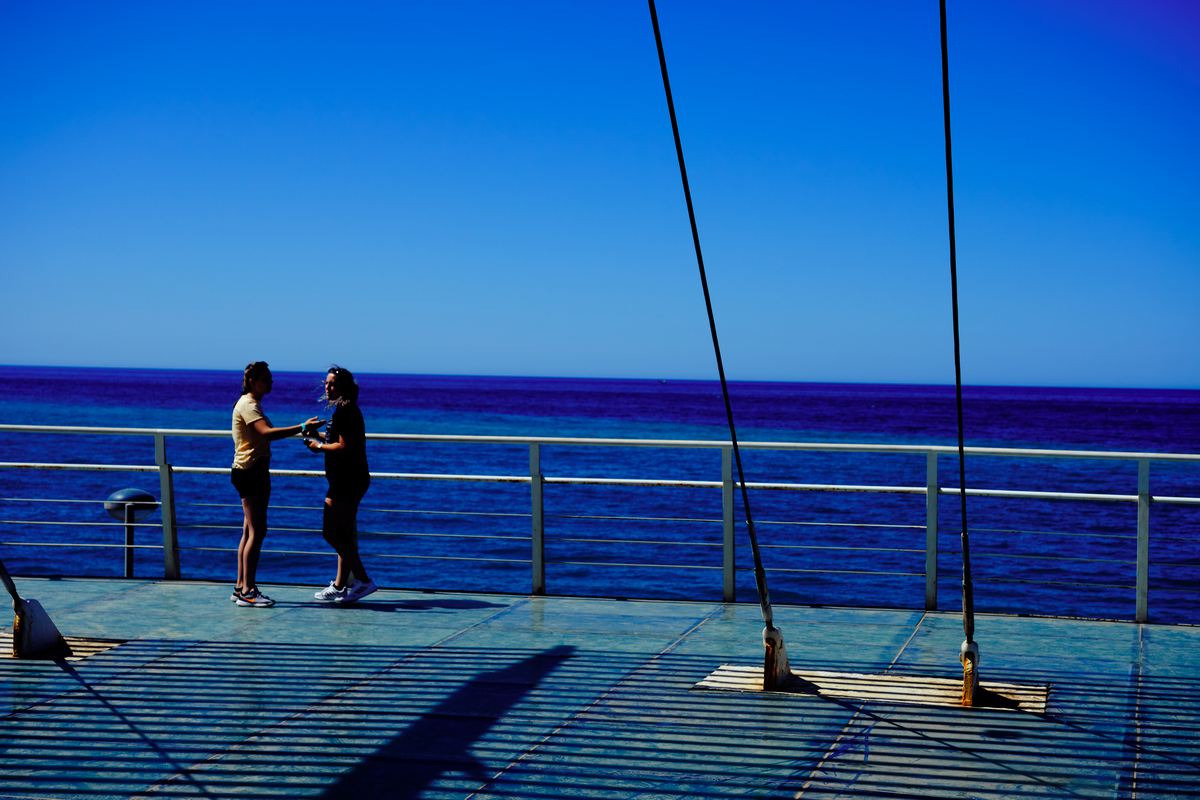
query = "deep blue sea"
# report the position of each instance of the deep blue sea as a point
(1034, 557)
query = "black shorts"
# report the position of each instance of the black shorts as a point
(254, 480)
(348, 489)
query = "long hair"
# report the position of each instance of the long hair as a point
(254, 371)
(347, 387)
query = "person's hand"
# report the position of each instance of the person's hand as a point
(314, 423)
(313, 445)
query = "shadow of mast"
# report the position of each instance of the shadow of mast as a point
(441, 739)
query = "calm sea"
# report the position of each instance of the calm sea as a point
(1038, 557)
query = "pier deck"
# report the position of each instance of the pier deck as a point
(453, 695)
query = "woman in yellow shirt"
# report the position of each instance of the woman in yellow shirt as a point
(252, 437)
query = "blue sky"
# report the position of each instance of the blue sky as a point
(491, 188)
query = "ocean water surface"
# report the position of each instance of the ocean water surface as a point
(1028, 556)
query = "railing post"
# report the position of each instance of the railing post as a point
(129, 540)
(931, 530)
(167, 509)
(729, 590)
(539, 525)
(1143, 541)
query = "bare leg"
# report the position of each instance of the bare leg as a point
(241, 558)
(340, 529)
(254, 529)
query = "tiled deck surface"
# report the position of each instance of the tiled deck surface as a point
(411, 694)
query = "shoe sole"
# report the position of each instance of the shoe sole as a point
(357, 597)
(251, 604)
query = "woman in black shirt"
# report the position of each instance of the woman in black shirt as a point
(344, 444)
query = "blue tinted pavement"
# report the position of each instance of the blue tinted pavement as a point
(454, 695)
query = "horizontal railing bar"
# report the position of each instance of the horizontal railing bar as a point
(757, 522)
(500, 514)
(301, 473)
(1036, 557)
(446, 535)
(112, 431)
(1115, 498)
(635, 482)
(202, 526)
(82, 544)
(618, 564)
(1054, 533)
(418, 476)
(794, 487)
(1193, 589)
(557, 540)
(372, 555)
(362, 510)
(284, 529)
(88, 467)
(58, 500)
(631, 519)
(602, 517)
(1054, 583)
(828, 547)
(839, 524)
(453, 558)
(402, 476)
(272, 506)
(836, 571)
(1181, 501)
(833, 487)
(446, 513)
(800, 487)
(827, 447)
(146, 524)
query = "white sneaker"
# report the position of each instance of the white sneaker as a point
(357, 591)
(332, 594)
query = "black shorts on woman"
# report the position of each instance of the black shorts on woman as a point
(346, 469)
(348, 491)
(254, 480)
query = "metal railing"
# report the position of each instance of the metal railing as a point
(931, 490)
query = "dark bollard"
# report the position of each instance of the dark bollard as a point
(130, 506)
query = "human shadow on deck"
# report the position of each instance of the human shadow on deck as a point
(440, 741)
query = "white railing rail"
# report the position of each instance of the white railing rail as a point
(932, 490)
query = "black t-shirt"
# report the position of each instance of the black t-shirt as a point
(351, 461)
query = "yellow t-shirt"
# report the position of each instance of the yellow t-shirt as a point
(248, 444)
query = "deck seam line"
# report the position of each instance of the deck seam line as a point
(833, 746)
(908, 641)
(537, 745)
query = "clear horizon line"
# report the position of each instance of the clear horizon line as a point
(712, 379)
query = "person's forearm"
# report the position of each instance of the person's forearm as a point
(330, 447)
(274, 434)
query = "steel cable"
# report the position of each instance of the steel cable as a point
(968, 595)
(760, 577)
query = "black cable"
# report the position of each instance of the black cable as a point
(760, 576)
(968, 595)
